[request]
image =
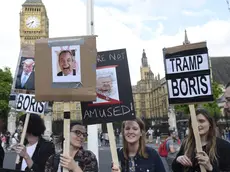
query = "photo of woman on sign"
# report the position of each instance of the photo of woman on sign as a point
(106, 86)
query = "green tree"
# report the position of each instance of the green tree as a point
(5, 88)
(212, 107)
(182, 109)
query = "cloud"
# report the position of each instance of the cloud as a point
(69, 19)
(201, 13)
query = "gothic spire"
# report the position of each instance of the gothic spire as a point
(186, 41)
(144, 59)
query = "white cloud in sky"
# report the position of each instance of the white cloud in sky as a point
(69, 19)
(201, 13)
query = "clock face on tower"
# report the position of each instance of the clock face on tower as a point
(32, 22)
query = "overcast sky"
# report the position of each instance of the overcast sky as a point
(131, 24)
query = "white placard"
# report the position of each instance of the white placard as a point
(27, 103)
(191, 63)
(189, 87)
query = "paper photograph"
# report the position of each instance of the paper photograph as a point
(106, 85)
(66, 64)
(25, 75)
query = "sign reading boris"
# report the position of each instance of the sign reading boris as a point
(188, 73)
(27, 103)
(114, 101)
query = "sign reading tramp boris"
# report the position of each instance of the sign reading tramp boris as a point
(114, 100)
(27, 103)
(188, 73)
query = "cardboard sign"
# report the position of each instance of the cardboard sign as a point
(66, 69)
(25, 72)
(114, 100)
(188, 73)
(27, 103)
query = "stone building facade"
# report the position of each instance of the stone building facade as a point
(150, 93)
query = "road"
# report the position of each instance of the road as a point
(104, 159)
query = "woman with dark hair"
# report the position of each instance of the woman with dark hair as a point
(79, 159)
(135, 156)
(215, 156)
(37, 150)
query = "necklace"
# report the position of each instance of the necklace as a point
(131, 165)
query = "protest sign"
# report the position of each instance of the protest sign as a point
(188, 80)
(188, 73)
(27, 103)
(114, 100)
(65, 69)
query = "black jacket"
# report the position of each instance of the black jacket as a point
(43, 151)
(223, 157)
(29, 85)
(2, 155)
(61, 73)
(151, 164)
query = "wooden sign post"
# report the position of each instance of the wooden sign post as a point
(66, 129)
(188, 79)
(112, 143)
(196, 132)
(25, 125)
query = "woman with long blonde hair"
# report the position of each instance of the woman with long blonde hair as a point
(135, 156)
(215, 156)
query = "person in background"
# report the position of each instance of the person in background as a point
(172, 147)
(117, 134)
(14, 140)
(227, 109)
(2, 152)
(215, 156)
(150, 134)
(36, 150)
(106, 138)
(158, 135)
(79, 160)
(135, 156)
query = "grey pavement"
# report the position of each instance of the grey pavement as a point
(104, 158)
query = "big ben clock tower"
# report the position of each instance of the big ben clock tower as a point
(34, 22)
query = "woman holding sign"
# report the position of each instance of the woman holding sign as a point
(37, 150)
(79, 160)
(135, 156)
(215, 156)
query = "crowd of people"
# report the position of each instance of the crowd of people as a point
(38, 154)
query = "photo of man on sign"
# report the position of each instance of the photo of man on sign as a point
(25, 76)
(66, 64)
(106, 87)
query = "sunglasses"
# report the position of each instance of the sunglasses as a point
(79, 133)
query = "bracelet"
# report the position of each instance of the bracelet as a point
(26, 157)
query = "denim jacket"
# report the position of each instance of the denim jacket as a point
(151, 164)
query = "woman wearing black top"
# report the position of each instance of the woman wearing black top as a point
(135, 156)
(37, 150)
(215, 156)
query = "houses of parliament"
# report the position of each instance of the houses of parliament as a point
(149, 94)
